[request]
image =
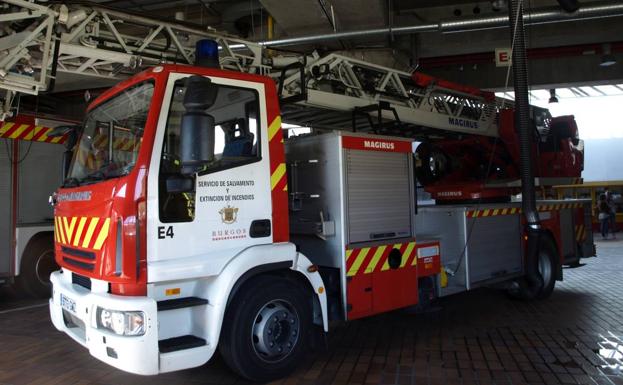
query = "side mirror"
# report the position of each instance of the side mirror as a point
(197, 126)
(72, 132)
(177, 184)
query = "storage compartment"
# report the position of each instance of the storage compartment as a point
(378, 195)
(480, 245)
(352, 207)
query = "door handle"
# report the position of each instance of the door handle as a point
(260, 228)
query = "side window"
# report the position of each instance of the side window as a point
(236, 143)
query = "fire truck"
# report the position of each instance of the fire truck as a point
(189, 221)
(26, 227)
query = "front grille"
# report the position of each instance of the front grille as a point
(77, 258)
(81, 280)
(78, 253)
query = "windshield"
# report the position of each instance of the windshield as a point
(112, 136)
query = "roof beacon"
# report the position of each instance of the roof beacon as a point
(206, 54)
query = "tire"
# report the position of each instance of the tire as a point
(258, 323)
(547, 266)
(36, 266)
(433, 164)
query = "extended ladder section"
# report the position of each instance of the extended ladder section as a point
(100, 42)
(331, 92)
(337, 91)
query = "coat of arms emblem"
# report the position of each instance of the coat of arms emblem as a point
(229, 214)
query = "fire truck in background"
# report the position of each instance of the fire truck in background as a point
(188, 222)
(30, 172)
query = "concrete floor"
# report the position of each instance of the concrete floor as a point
(482, 337)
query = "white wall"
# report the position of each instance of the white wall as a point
(603, 159)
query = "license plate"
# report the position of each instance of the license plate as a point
(68, 304)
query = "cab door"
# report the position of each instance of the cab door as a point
(229, 207)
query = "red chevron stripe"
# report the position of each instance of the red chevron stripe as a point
(25, 133)
(11, 130)
(39, 133)
(383, 258)
(412, 256)
(351, 259)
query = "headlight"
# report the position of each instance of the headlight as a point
(124, 323)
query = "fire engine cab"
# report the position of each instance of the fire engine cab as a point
(188, 223)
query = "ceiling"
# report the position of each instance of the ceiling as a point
(446, 55)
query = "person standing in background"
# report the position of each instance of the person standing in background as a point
(604, 215)
(613, 212)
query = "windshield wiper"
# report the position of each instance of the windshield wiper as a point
(94, 177)
(71, 182)
(103, 174)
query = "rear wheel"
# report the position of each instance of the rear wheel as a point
(546, 265)
(547, 268)
(266, 329)
(36, 266)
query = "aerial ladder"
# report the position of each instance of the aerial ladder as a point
(43, 42)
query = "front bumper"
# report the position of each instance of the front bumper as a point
(134, 354)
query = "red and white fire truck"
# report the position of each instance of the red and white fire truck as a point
(176, 235)
(188, 221)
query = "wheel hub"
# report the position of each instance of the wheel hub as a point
(275, 331)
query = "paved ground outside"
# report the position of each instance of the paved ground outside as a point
(481, 337)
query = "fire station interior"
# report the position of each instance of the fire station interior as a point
(451, 170)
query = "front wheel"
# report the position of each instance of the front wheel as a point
(266, 329)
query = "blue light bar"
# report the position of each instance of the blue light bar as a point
(206, 53)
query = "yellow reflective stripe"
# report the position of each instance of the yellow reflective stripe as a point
(68, 228)
(375, 259)
(486, 213)
(72, 226)
(62, 231)
(495, 212)
(79, 230)
(360, 257)
(386, 264)
(6, 127)
(405, 256)
(89, 234)
(274, 128)
(34, 132)
(102, 235)
(56, 139)
(19, 131)
(45, 136)
(348, 253)
(408, 252)
(56, 234)
(277, 175)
